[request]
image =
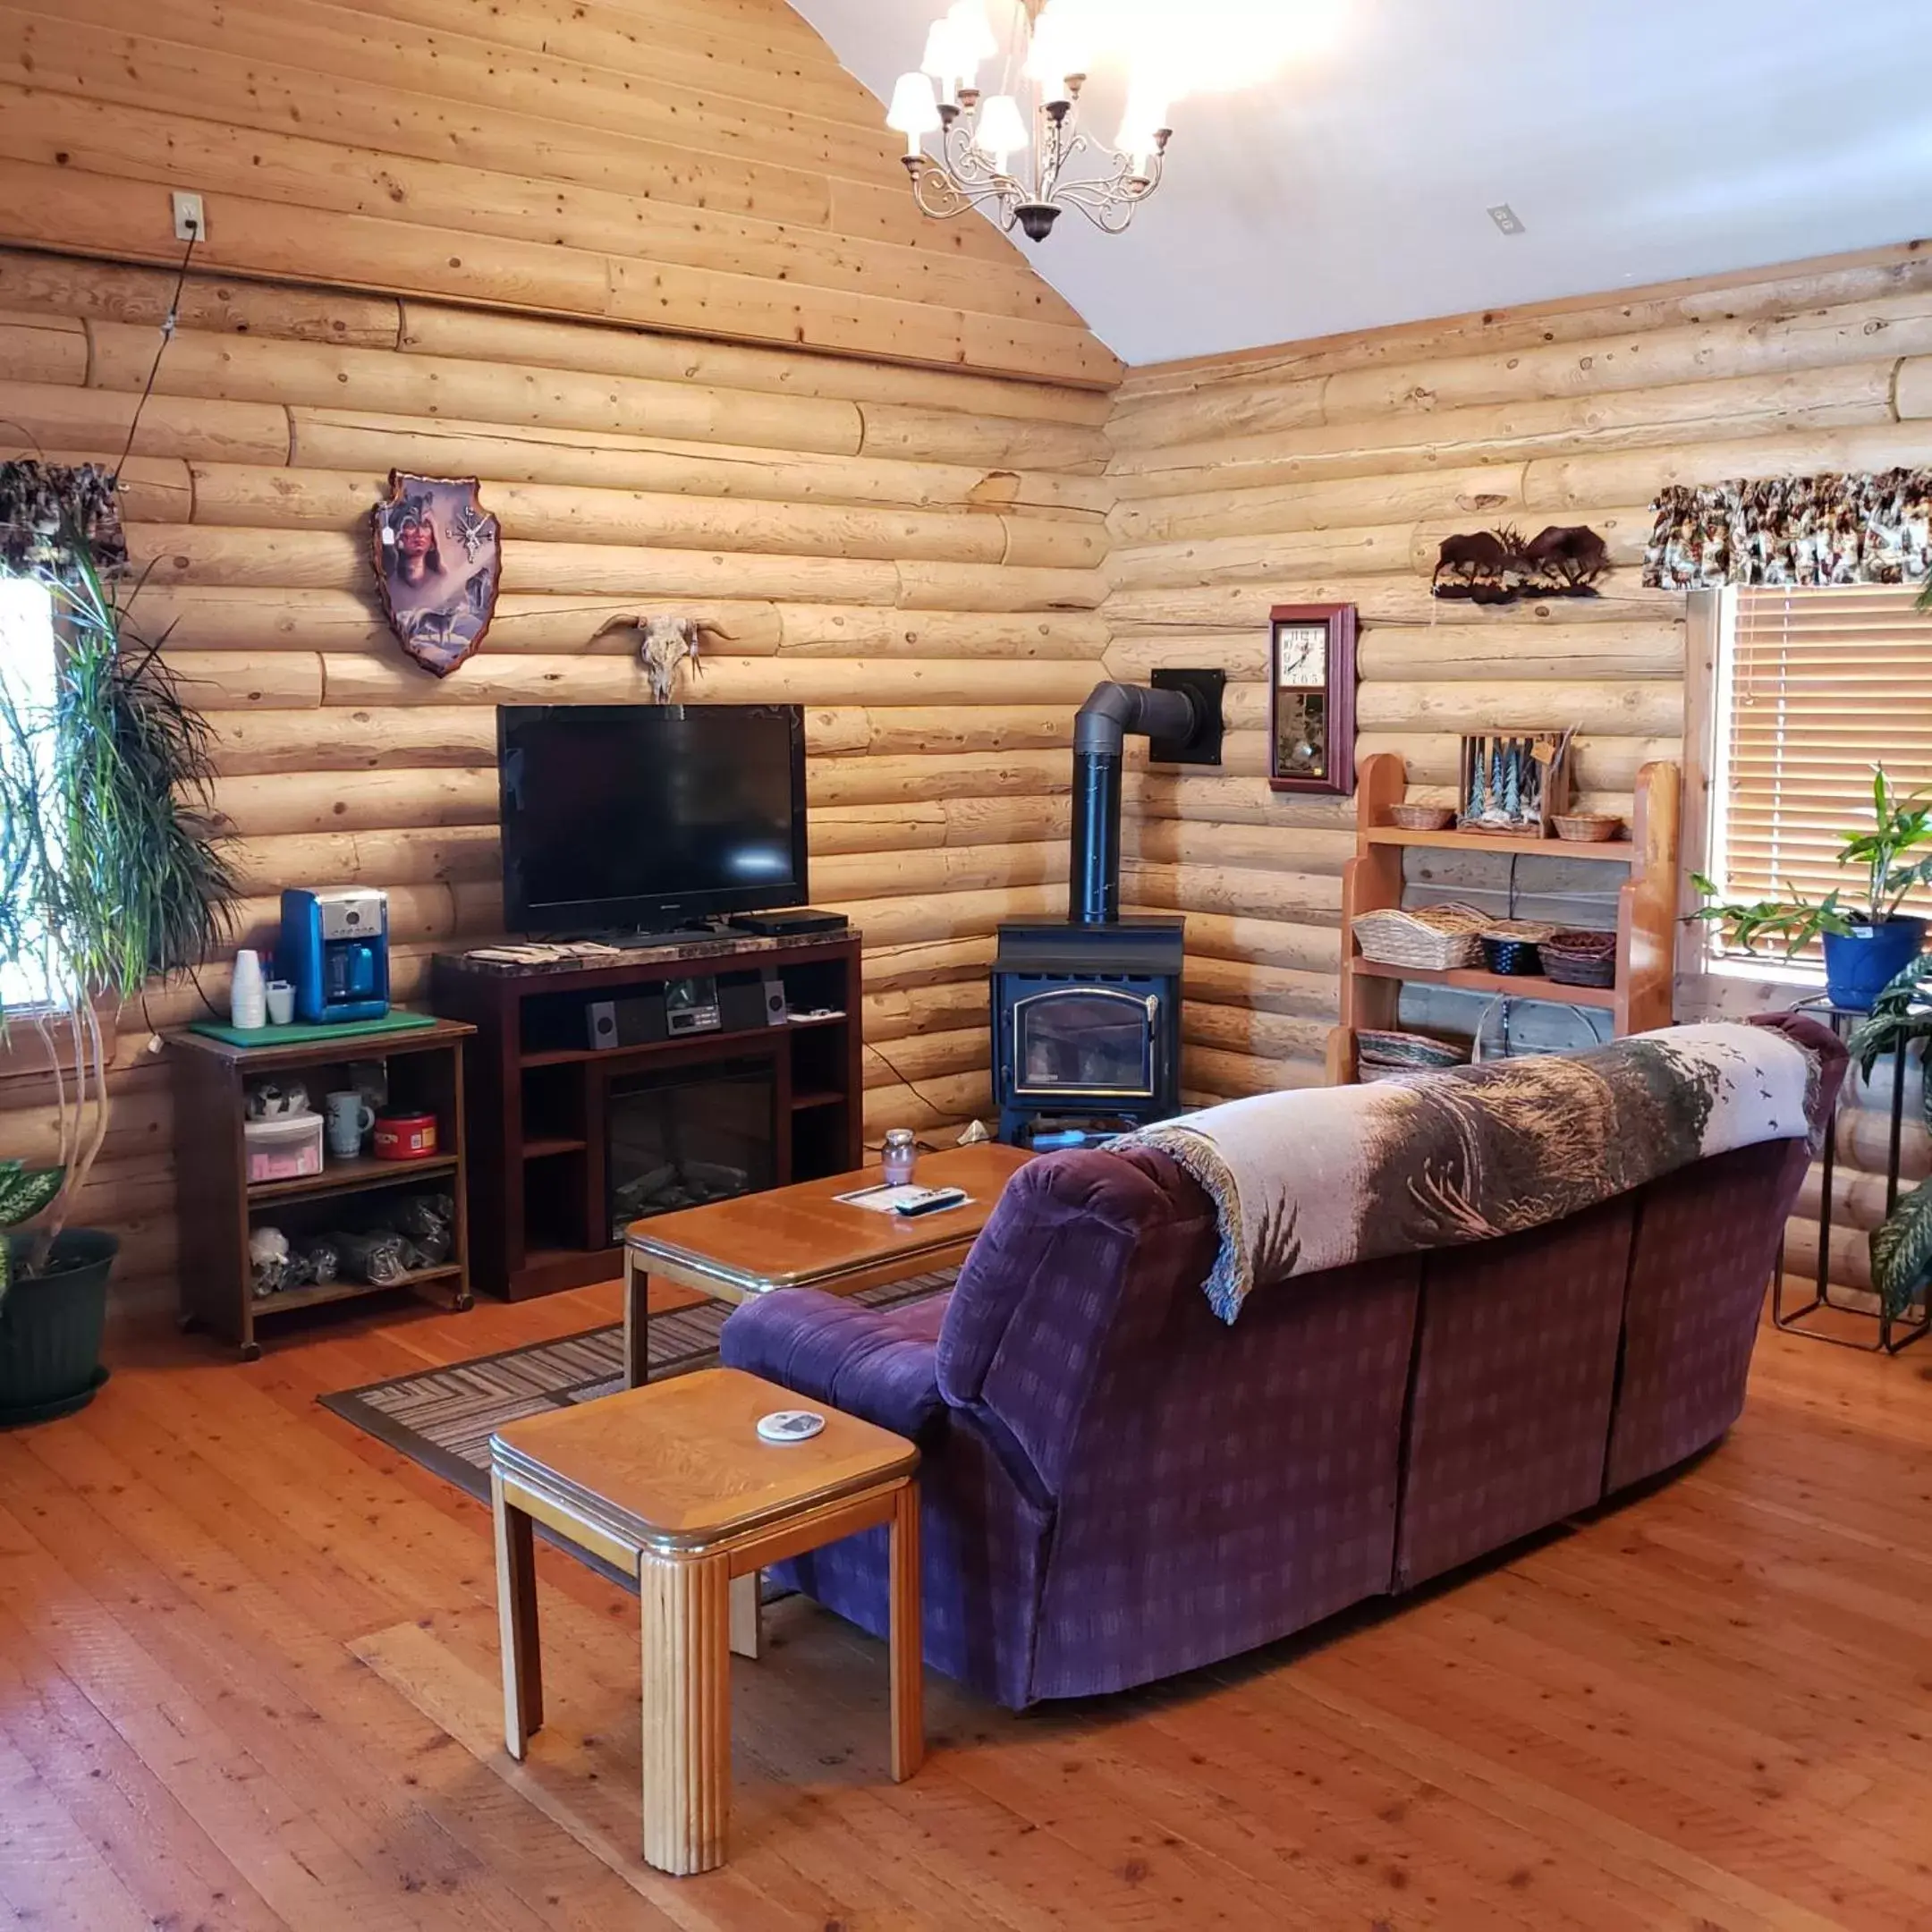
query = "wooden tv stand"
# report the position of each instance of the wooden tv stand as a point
(539, 1096)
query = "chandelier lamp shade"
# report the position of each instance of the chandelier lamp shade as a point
(1022, 154)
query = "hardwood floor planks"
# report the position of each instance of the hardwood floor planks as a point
(248, 1681)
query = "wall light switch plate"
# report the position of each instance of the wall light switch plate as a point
(190, 218)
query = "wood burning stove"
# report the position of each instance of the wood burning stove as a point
(1087, 1009)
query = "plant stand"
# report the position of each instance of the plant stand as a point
(1889, 1333)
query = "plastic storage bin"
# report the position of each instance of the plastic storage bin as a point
(284, 1148)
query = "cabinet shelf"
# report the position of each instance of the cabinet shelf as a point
(291, 1299)
(1647, 904)
(1612, 851)
(1472, 979)
(349, 1177)
(542, 1149)
(819, 1098)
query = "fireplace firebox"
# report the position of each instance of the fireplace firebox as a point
(1086, 1025)
(1087, 1009)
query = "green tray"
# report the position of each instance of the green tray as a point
(305, 1035)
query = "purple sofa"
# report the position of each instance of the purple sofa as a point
(1118, 1487)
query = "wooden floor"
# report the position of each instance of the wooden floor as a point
(248, 1679)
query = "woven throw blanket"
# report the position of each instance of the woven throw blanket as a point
(1328, 1175)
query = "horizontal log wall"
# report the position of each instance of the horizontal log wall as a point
(1331, 470)
(710, 169)
(914, 556)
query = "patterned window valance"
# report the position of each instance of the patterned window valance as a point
(1820, 529)
(43, 506)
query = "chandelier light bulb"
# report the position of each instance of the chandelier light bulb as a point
(1001, 130)
(940, 61)
(915, 109)
(1061, 52)
(973, 36)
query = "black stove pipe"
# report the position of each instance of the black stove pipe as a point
(1101, 730)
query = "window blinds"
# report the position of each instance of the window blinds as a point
(1816, 686)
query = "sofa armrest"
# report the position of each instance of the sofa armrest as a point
(877, 1364)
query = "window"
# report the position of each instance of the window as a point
(28, 670)
(1812, 688)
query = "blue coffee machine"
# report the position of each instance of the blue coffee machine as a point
(335, 950)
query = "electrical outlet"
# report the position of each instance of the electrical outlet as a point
(1507, 219)
(191, 219)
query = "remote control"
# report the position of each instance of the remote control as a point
(934, 1203)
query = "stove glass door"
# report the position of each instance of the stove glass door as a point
(1086, 1040)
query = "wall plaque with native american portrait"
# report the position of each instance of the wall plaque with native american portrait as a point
(438, 554)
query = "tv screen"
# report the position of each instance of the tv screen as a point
(649, 817)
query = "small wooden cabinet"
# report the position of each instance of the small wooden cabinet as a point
(546, 1104)
(220, 1207)
(1647, 901)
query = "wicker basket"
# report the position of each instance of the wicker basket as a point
(1417, 1052)
(1431, 939)
(1510, 947)
(1587, 828)
(1421, 817)
(1581, 959)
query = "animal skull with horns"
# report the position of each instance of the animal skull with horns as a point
(666, 643)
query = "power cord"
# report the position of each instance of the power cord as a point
(169, 324)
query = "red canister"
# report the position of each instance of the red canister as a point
(404, 1136)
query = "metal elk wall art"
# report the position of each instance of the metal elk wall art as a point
(1499, 566)
(438, 559)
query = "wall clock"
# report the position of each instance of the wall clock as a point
(1311, 707)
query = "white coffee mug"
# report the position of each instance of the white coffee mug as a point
(350, 1117)
(280, 994)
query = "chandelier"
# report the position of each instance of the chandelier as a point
(987, 154)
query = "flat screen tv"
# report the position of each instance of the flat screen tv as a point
(650, 817)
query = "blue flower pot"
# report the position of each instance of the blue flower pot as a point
(1859, 967)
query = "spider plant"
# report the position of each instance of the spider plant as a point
(1901, 1248)
(107, 871)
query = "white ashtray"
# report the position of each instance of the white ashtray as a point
(790, 1426)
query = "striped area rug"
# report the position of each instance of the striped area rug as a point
(442, 1419)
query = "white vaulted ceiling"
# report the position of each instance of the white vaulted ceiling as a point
(1639, 141)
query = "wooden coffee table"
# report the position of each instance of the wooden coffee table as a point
(801, 1237)
(674, 1484)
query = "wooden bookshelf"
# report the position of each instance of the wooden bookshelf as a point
(1647, 903)
(220, 1206)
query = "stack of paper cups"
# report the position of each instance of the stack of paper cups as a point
(247, 997)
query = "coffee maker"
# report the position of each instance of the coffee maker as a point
(335, 950)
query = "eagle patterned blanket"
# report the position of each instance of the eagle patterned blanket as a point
(1319, 1178)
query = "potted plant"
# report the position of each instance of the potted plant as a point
(1901, 1248)
(107, 874)
(1868, 941)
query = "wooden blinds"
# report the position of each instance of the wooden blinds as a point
(1816, 686)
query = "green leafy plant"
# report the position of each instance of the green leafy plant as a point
(1901, 1248)
(1902, 824)
(24, 1192)
(108, 869)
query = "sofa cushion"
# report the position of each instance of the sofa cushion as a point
(877, 1364)
(1515, 1367)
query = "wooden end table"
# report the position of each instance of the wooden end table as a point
(673, 1484)
(803, 1237)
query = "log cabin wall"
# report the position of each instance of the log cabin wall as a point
(913, 556)
(1331, 470)
(704, 165)
(649, 268)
